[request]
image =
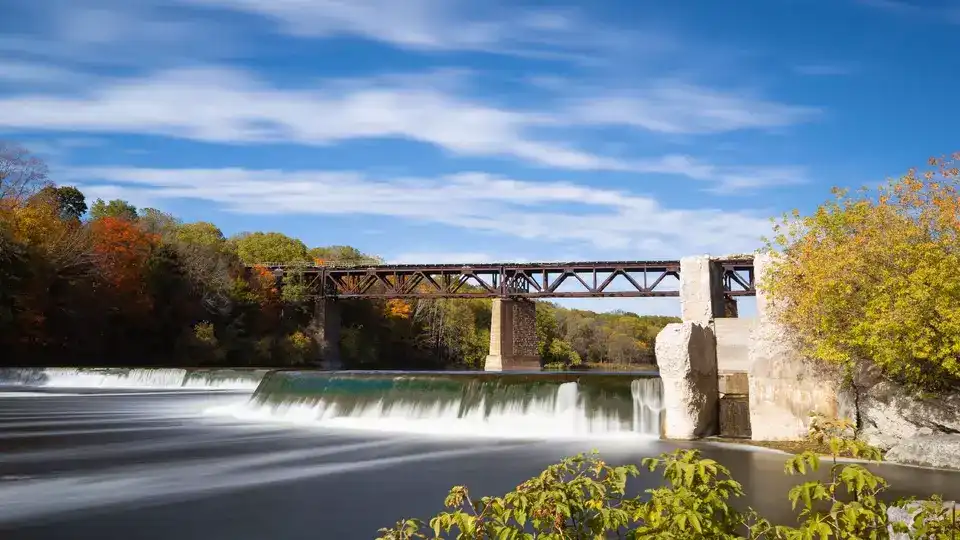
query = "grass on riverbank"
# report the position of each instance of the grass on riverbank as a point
(790, 447)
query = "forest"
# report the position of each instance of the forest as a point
(112, 284)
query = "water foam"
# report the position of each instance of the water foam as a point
(133, 378)
(451, 407)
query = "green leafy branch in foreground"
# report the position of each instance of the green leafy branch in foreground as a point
(582, 497)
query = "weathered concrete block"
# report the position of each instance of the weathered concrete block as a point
(701, 290)
(686, 356)
(733, 343)
(784, 386)
(513, 336)
(938, 450)
(735, 415)
(733, 382)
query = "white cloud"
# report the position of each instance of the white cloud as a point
(411, 23)
(930, 12)
(26, 72)
(141, 34)
(230, 106)
(609, 220)
(432, 25)
(220, 105)
(676, 107)
(448, 257)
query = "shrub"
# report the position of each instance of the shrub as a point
(582, 497)
(205, 334)
(872, 276)
(299, 347)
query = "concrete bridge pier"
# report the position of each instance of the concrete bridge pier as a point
(702, 298)
(513, 336)
(325, 328)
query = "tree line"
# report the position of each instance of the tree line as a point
(112, 284)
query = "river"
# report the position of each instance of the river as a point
(102, 462)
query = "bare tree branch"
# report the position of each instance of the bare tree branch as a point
(21, 173)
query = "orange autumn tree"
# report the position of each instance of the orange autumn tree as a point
(397, 308)
(264, 284)
(122, 251)
(872, 276)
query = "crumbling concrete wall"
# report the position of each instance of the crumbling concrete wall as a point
(733, 343)
(701, 290)
(785, 387)
(686, 355)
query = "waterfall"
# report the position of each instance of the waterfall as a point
(647, 405)
(132, 378)
(501, 404)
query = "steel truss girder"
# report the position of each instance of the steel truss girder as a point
(517, 280)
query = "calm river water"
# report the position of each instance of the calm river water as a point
(157, 465)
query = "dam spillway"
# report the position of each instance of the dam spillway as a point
(465, 403)
(134, 378)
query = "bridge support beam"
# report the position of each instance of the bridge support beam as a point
(325, 328)
(513, 336)
(701, 290)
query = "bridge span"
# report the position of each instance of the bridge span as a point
(617, 279)
(707, 288)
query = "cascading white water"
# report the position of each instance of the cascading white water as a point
(647, 405)
(132, 378)
(458, 406)
(128, 378)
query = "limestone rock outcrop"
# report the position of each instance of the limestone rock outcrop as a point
(939, 450)
(687, 358)
(890, 413)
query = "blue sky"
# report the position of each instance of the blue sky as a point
(456, 130)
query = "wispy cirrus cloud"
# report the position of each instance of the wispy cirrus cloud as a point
(233, 107)
(606, 219)
(677, 107)
(88, 36)
(932, 10)
(440, 25)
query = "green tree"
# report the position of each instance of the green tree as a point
(269, 247)
(117, 208)
(69, 200)
(872, 276)
(201, 233)
(345, 255)
(561, 352)
(158, 222)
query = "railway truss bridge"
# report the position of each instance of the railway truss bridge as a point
(707, 287)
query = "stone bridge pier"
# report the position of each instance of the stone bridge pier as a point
(513, 336)
(325, 329)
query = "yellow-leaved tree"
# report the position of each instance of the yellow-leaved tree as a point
(875, 276)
